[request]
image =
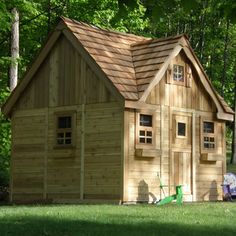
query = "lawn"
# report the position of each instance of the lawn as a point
(189, 219)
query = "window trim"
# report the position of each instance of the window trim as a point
(147, 128)
(203, 135)
(72, 114)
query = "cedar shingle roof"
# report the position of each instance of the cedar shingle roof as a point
(129, 61)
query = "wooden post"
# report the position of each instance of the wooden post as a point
(14, 49)
(45, 174)
(193, 156)
(82, 153)
(161, 144)
(125, 155)
(83, 71)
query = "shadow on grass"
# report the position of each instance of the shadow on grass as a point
(35, 225)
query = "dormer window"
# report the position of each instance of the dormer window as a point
(178, 73)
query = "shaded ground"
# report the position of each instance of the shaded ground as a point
(189, 219)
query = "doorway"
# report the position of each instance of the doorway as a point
(181, 153)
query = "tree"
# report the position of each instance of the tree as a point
(14, 49)
(210, 25)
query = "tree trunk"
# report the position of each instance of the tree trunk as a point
(14, 49)
(233, 158)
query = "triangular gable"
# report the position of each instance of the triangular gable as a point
(43, 53)
(183, 44)
(129, 65)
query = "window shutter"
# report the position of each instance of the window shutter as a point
(168, 74)
(188, 76)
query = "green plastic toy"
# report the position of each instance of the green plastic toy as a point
(178, 196)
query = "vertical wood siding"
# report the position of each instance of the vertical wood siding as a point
(40, 170)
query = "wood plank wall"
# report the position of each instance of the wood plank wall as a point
(102, 161)
(28, 149)
(141, 182)
(40, 171)
(192, 101)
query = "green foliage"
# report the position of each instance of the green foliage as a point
(206, 219)
(210, 26)
(4, 144)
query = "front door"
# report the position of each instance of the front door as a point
(181, 153)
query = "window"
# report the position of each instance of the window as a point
(64, 130)
(208, 135)
(178, 73)
(145, 132)
(181, 129)
(208, 127)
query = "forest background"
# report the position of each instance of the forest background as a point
(209, 24)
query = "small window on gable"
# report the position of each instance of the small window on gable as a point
(145, 131)
(208, 138)
(178, 73)
(64, 130)
(181, 129)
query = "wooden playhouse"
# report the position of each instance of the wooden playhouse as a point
(100, 113)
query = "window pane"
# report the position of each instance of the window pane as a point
(211, 145)
(181, 129)
(149, 140)
(60, 141)
(142, 133)
(60, 135)
(64, 122)
(206, 139)
(68, 134)
(208, 127)
(68, 141)
(149, 133)
(142, 140)
(145, 120)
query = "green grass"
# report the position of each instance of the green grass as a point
(190, 219)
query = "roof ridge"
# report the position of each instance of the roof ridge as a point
(65, 19)
(153, 40)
